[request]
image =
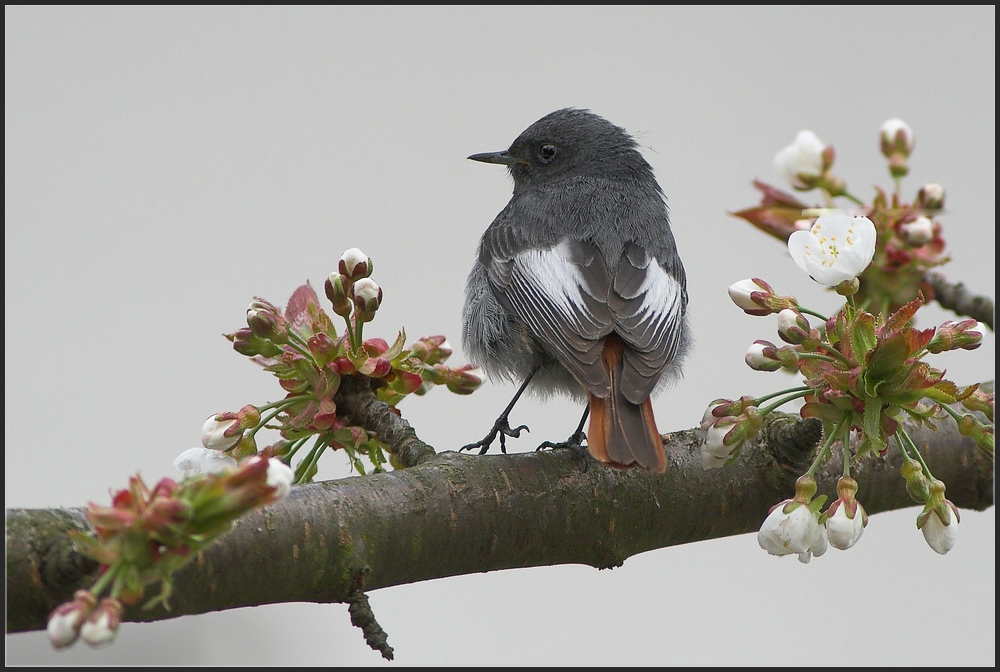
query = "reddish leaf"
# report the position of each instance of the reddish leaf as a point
(297, 311)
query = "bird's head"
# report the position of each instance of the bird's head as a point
(569, 143)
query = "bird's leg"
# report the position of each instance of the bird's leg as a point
(502, 427)
(575, 441)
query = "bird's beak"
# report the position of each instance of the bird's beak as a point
(503, 157)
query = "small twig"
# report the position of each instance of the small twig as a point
(357, 402)
(363, 617)
(955, 297)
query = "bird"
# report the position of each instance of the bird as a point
(578, 288)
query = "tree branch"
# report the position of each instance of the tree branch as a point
(456, 514)
(955, 297)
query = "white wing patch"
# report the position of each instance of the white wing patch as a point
(551, 275)
(570, 301)
(661, 295)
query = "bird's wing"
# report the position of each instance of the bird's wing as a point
(648, 301)
(561, 294)
(571, 301)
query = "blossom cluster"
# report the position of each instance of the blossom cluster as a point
(909, 241)
(863, 368)
(147, 534)
(301, 347)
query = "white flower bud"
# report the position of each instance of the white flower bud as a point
(896, 135)
(842, 530)
(355, 264)
(797, 531)
(918, 232)
(931, 196)
(101, 626)
(741, 293)
(757, 360)
(200, 460)
(280, 477)
(938, 534)
(801, 163)
(367, 295)
(213, 433)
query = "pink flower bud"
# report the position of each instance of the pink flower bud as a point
(463, 381)
(322, 347)
(376, 367)
(375, 346)
(336, 291)
(266, 322)
(954, 335)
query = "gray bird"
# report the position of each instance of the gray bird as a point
(578, 287)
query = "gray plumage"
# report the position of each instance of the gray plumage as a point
(582, 251)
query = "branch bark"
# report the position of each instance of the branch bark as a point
(956, 297)
(455, 514)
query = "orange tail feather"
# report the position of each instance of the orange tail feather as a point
(622, 434)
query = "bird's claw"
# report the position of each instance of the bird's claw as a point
(574, 443)
(502, 429)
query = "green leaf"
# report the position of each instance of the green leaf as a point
(396, 348)
(862, 333)
(885, 360)
(873, 423)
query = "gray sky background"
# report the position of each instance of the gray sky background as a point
(164, 166)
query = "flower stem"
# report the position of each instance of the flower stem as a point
(837, 354)
(825, 358)
(105, 579)
(279, 407)
(354, 328)
(296, 341)
(298, 443)
(798, 393)
(852, 198)
(955, 415)
(306, 465)
(759, 400)
(824, 452)
(913, 447)
(806, 311)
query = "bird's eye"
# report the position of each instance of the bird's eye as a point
(546, 153)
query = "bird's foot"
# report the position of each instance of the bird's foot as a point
(502, 429)
(574, 443)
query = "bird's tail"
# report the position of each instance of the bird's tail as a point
(623, 434)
